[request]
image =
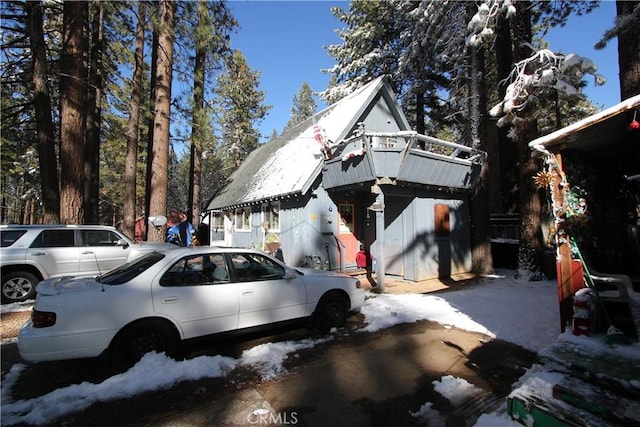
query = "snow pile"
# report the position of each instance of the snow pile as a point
(16, 306)
(457, 390)
(141, 378)
(385, 310)
(429, 416)
(268, 358)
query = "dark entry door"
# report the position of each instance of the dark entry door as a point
(346, 229)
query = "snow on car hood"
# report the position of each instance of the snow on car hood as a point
(60, 285)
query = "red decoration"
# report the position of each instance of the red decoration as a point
(634, 125)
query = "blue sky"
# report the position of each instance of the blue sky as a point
(285, 40)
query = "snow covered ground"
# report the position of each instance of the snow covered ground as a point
(522, 312)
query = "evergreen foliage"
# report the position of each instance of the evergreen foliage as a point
(304, 106)
(241, 110)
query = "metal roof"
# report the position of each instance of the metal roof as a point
(289, 164)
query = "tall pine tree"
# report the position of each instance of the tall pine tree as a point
(242, 110)
(304, 106)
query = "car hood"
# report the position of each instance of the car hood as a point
(312, 272)
(154, 245)
(61, 285)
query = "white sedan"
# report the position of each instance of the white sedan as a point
(161, 299)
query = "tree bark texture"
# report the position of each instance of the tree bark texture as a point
(481, 259)
(44, 124)
(162, 114)
(628, 53)
(73, 90)
(94, 113)
(149, 165)
(131, 160)
(506, 155)
(198, 122)
(530, 248)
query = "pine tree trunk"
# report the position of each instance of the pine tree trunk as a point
(94, 112)
(420, 124)
(162, 107)
(530, 248)
(482, 261)
(73, 90)
(628, 53)
(152, 97)
(45, 131)
(199, 115)
(131, 160)
(506, 155)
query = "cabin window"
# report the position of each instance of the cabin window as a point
(271, 215)
(243, 219)
(217, 221)
(385, 142)
(442, 223)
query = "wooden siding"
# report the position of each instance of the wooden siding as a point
(438, 170)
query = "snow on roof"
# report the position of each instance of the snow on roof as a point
(539, 144)
(287, 170)
(289, 164)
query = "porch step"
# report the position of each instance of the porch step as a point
(606, 404)
(547, 402)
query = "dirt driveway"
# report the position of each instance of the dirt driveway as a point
(357, 379)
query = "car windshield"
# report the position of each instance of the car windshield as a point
(128, 271)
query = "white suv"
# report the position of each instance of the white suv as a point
(31, 253)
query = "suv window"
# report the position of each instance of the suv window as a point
(99, 238)
(9, 237)
(54, 239)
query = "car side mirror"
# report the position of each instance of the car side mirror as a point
(290, 274)
(123, 243)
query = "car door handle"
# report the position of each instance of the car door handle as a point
(38, 253)
(247, 292)
(169, 300)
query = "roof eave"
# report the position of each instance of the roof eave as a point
(542, 143)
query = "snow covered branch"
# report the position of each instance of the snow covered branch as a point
(482, 23)
(544, 69)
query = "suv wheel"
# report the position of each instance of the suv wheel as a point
(18, 286)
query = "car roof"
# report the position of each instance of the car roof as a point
(195, 250)
(43, 226)
(210, 249)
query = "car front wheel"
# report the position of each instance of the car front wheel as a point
(18, 286)
(331, 312)
(141, 338)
